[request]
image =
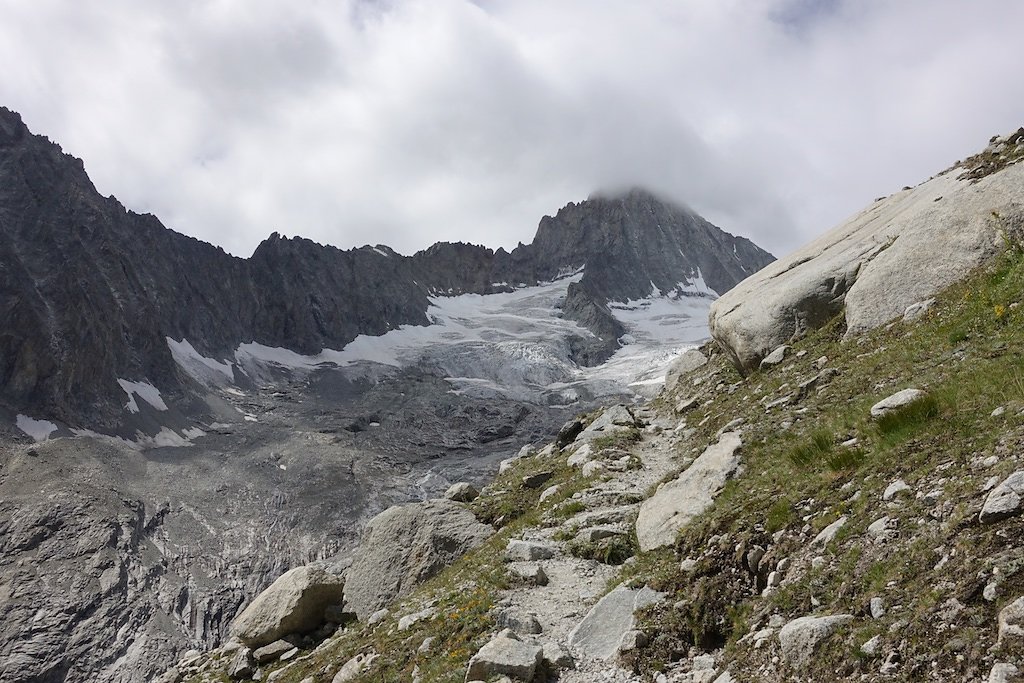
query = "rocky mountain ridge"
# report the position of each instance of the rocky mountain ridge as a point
(91, 291)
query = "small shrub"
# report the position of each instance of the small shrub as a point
(613, 551)
(808, 454)
(568, 509)
(906, 419)
(779, 516)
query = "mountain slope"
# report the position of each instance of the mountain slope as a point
(91, 291)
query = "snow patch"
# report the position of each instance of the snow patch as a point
(197, 366)
(144, 390)
(39, 430)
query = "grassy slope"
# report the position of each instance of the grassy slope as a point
(967, 353)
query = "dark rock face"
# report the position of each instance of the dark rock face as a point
(89, 291)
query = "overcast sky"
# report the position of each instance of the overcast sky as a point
(405, 122)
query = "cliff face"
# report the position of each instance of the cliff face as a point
(89, 291)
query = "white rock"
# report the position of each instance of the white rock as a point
(505, 655)
(801, 637)
(599, 634)
(915, 311)
(688, 495)
(895, 488)
(870, 648)
(294, 603)
(897, 400)
(555, 658)
(775, 357)
(1004, 500)
(686, 363)
(593, 468)
(1011, 620)
(462, 492)
(1004, 673)
(896, 252)
(354, 667)
(407, 622)
(531, 573)
(528, 551)
(581, 456)
(826, 535)
(877, 608)
(998, 412)
(548, 492)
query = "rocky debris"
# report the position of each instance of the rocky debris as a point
(507, 655)
(355, 667)
(295, 603)
(462, 492)
(518, 621)
(1011, 621)
(678, 501)
(614, 420)
(581, 456)
(632, 640)
(555, 658)
(897, 400)
(592, 469)
(897, 252)
(801, 637)
(528, 551)
(775, 357)
(599, 634)
(1005, 500)
(687, 362)
(272, 651)
(406, 545)
(242, 664)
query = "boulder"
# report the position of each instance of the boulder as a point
(505, 655)
(528, 551)
(530, 573)
(355, 667)
(688, 495)
(686, 363)
(897, 252)
(1004, 673)
(826, 535)
(241, 664)
(555, 658)
(581, 456)
(535, 480)
(272, 651)
(1011, 621)
(614, 420)
(294, 603)
(894, 489)
(897, 400)
(802, 636)
(775, 357)
(600, 633)
(404, 546)
(462, 492)
(519, 621)
(1005, 500)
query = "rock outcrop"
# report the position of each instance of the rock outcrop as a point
(404, 546)
(600, 633)
(295, 603)
(899, 251)
(680, 500)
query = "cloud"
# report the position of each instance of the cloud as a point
(405, 122)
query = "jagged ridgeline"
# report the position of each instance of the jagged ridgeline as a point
(90, 291)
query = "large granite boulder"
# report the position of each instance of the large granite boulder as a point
(802, 636)
(899, 251)
(295, 603)
(680, 500)
(599, 634)
(404, 546)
